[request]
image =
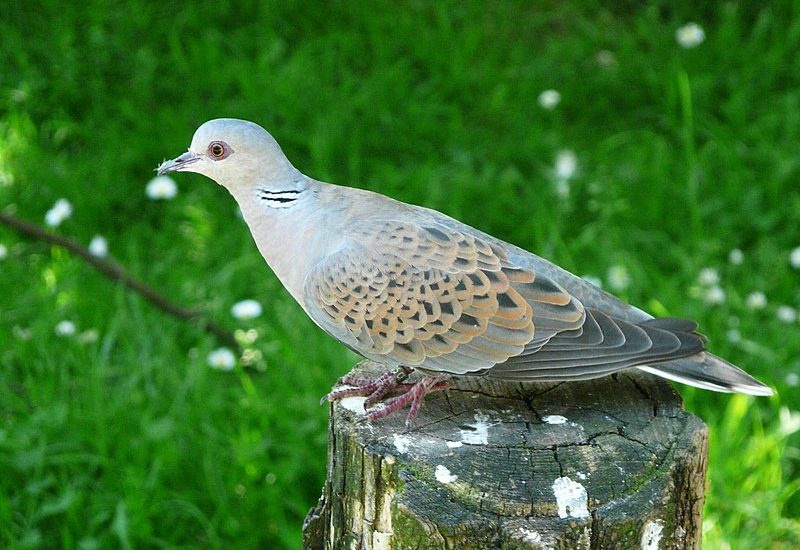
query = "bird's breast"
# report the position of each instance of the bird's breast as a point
(291, 241)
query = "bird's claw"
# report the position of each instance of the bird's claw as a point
(390, 382)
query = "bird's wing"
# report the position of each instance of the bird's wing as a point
(429, 296)
(601, 346)
(432, 297)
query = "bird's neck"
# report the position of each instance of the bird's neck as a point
(284, 220)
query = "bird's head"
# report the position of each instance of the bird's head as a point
(234, 153)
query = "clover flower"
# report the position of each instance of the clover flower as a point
(786, 314)
(60, 211)
(714, 295)
(756, 300)
(98, 246)
(65, 328)
(549, 99)
(794, 258)
(690, 35)
(161, 188)
(246, 309)
(566, 164)
(708, 276)
(222, 359)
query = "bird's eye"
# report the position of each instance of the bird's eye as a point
(217, 150)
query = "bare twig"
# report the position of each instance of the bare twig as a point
(116, 272)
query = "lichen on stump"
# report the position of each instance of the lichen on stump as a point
(609, 463)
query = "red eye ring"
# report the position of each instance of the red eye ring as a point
(217, 150)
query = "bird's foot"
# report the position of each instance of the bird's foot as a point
(414, 394)
(375, 389)
(372, 388)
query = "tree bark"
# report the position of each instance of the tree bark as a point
(609, 463)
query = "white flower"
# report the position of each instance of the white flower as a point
(566, 164)
(222, 359)
(756, 300)
(65, 328)
(99, 246)
(246, 309)
(3, 251)
(548, 99)
(618, 277)
(605, 58)
(23, 334)
(592, 280)
(736, 257)
(786, 314)
(60, 211)
(690, 35)
(88, 336)
(714, 295)
(794, 258)
(708, 276)
(792, 379)
(161, 187)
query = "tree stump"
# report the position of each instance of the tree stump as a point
(610, 463)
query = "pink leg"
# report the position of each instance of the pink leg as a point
(375, 388)
(393, 381)
(358, 386)
(415, 394)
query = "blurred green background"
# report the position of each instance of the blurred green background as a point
(121, 435)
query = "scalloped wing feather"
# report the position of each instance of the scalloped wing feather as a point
(431, 297)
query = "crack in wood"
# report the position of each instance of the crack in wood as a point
(645, 393)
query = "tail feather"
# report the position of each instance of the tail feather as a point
(707, 371)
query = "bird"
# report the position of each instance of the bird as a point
(418, 291)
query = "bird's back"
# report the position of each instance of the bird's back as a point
(367, 208)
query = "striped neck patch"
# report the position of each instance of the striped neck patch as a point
(279, 199)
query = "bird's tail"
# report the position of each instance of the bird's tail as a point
(707, 371)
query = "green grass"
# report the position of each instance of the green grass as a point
(133, 441)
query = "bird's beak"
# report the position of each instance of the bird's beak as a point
(177, 164)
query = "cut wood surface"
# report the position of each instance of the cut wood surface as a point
(609, 463)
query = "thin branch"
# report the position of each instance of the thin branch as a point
(116, 272)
